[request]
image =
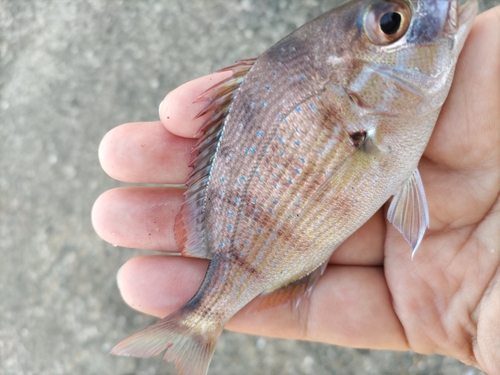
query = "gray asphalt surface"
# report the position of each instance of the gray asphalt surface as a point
(69, 72)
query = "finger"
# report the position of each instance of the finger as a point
(143, 217)
(145, 152)
(138, 217)
(467, 130)
(179, 109)
(349, 306)
(460, 163)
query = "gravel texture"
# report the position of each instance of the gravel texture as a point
(70, 70)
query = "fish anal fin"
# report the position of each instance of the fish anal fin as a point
(293, 293)
(189, 225)
(408, 211)
(191, 352)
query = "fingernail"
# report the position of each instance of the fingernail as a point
(118, 277)
(159, 108)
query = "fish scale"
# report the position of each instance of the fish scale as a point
(301, 146)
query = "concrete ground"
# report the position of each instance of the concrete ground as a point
(70, 70)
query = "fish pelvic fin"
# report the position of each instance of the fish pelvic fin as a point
(189, 225)
(191, 352)
(408, 211)
(293, 293)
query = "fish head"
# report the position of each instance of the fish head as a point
(400, 52)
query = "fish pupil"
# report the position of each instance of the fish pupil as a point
(390, 23)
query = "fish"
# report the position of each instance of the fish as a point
(301, 146)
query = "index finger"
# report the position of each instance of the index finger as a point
(179, 108)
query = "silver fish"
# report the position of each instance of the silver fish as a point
(305, 144)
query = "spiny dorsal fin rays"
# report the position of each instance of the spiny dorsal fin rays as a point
(408, 211)
(189, 224)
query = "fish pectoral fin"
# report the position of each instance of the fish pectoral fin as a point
(189, 225)
(293, 293)
(408, 211)
(190, 351)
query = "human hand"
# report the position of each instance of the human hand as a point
(372, 295)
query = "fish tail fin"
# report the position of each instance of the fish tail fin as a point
(191, 352)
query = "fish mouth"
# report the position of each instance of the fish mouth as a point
(460, 17)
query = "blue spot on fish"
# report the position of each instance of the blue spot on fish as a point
(230, 227)
(298, 109)
(297, 143)
(268, 87)
(297, 171)
(230, 213)
(275, 202)
(236, 200)
(254, 105)
(242, 178)
(252, 150)
(260, 133)
(313, 108)
(263, 104)
(223, 179)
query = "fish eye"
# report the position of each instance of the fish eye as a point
(387, 21)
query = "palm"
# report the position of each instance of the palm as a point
(444, 301)
(446, 298)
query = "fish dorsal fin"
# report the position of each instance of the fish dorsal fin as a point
(293, 293)
(408, 211)
(189, 224)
